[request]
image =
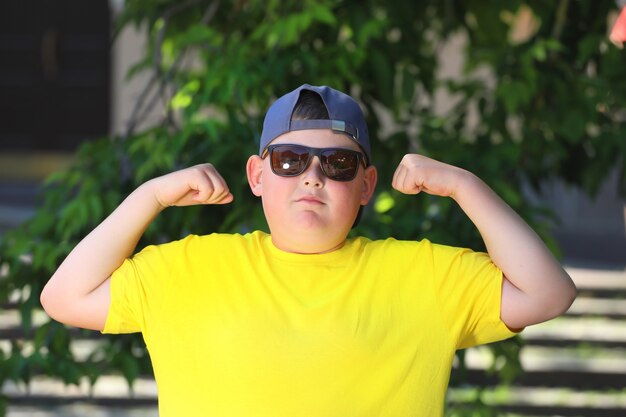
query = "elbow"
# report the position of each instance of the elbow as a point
(51, 301)
(570, 295)
(45, 299)
(529, 309)
(565, 297)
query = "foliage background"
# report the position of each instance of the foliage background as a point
(548, 103)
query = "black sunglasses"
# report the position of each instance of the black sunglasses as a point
(338, 164)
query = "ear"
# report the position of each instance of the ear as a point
(369, 184)
(254, 169)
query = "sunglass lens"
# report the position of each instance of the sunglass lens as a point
(339, 164)
(289, 160)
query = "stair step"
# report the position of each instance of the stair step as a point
(537, 358)
(550, 379)
(588, 278)
(545, 401)
(575, 343)
(586, 306)
(82, 409)
(541, 396)
(599, 283)
(108, 389)
(578, 328)
(562, 411)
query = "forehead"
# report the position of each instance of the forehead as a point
(317, 138)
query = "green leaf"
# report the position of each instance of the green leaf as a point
(384, 202)
(184, 97)
(323, 14)
(129, 368)
(4, 402)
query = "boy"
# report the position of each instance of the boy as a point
(304, 322)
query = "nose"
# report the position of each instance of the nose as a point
(313, 175)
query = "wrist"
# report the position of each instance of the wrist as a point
(467, 184)
(148, 192)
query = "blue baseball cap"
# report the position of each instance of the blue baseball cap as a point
(345, 116)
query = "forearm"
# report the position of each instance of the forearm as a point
(93, 260)
(516, 249)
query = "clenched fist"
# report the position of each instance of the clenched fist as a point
(418, 173)
(200, 184)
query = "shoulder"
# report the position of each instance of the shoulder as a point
(392, 250)
(193, 244)
(227, 240)
(193, 240)
(416, 250)
(392, 245)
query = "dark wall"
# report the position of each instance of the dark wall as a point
(54, 73)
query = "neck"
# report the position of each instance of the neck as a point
(306, 248)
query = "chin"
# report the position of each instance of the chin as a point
(311, 221)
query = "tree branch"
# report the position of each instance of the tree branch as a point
(141, 111)
(561, 17)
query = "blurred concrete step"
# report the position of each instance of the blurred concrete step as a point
(110, 397)
(545, 401)
(536, 358)
(13, 216)
(599, 283)
(576, 380)
(109, 389)
(79, 409)
(595, 278)
(608, 308)
(582, 329)
(17, 203)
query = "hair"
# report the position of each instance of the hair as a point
(310, 106)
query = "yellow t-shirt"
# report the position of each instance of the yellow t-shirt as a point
(236, 327)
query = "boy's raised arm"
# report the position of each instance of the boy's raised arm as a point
(78, 292)
(536, 288)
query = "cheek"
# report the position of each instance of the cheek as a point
(352, 190)
(275, 192)
(350, 196)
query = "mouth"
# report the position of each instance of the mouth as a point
(309, 199)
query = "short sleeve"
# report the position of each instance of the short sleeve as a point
(469, 292)
(132, 289)
(124, 311)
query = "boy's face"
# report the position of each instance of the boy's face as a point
(310, 213)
